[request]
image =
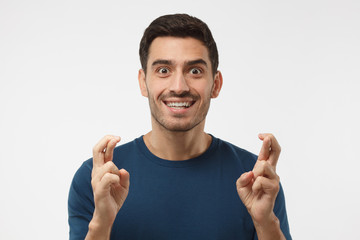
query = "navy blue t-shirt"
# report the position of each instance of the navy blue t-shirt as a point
(190, 199)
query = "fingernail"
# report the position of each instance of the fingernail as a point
(247, 173)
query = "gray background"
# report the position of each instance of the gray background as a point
(68, 76)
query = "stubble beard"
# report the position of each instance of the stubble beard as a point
(177, 124)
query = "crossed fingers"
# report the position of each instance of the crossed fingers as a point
(103, 167)
(104, 149)
(270, 150)
(265, 178)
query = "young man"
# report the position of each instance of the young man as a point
(185, 183)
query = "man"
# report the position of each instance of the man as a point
(185, 183)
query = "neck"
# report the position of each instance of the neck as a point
(178, 145)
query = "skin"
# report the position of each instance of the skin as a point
(110, 186)
(179, 70)
(258, 189)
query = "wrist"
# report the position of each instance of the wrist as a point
(97, 230)
(269, 229)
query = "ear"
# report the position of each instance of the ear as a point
(142, 83)
(218, 81)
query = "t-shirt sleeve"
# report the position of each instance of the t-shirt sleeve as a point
(280, 212)
(80, 202)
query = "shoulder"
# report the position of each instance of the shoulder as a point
(127, 147)
(127, 151)
(81, 182)
(84, 171)
(235, 154)
(235, 150)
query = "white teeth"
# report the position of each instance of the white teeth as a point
(178, 104)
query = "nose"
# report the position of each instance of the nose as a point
(179, 84)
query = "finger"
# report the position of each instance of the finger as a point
(99, 173)
(244, 184)
(124, 178)
(244, 179)
(98, 150)
(109, 151)
(265, 148)
(106, 182)
(274, 149)
(264, 168)
(266, 185)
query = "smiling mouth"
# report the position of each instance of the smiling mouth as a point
(179, 105)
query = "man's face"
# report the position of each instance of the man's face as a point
(179, 83)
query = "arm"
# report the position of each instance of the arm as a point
(110, 187)
(258, 190)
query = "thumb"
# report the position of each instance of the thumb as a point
(124, 178)
(244, 184)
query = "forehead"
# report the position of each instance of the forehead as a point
(177, 49)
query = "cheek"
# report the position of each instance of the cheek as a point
(155, 89)
(203, 89)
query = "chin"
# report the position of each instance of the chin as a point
(178, 127)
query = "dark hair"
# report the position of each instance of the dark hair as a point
(178, 25)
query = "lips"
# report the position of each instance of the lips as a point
(179, 104)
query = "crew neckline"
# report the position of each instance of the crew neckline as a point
(179, 163)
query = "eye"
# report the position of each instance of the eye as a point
(195, 71)
(163, 70)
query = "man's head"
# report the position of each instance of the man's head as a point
(179, 72)
(179, 25)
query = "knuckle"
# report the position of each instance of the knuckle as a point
(277, 188)
(94, 149)
(93, 173)
(259, 179)
(263, 164)
(107, 175)
(109, 165)
(93, 183)
(262, 179)
(238, 183)
(112, 178)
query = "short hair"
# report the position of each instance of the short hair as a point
(178, 25)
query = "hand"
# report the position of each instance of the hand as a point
(258, 188)
(110, 186)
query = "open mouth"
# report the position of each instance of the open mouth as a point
(179, 105)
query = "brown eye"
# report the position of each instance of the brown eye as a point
(163, 70)
(195, 71)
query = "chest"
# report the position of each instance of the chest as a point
(188, 203)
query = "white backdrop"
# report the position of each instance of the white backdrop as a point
(68, 76)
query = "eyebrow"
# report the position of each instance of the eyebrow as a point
(197, 61)
(188, 63)
(162, 61)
